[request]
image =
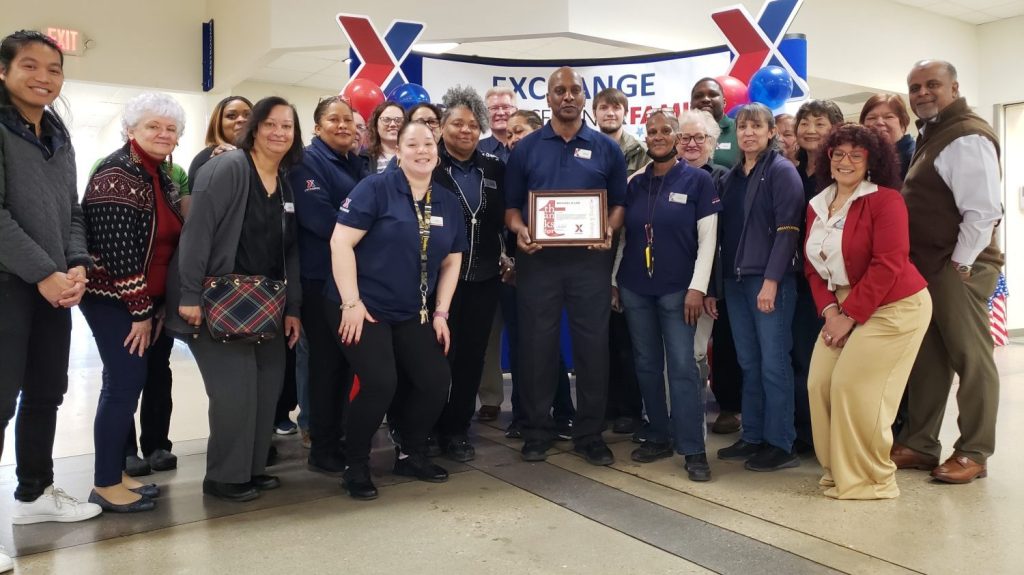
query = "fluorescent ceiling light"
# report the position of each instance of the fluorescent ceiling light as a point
(435, 47)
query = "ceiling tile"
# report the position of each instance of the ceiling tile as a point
(1009, 10)
(977, 18)
(948, 9)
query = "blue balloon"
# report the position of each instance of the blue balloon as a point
(734, 111)
(770, 86)
(408, 95)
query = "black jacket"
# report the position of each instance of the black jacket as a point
(480, 262)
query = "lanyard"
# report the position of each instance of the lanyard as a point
(652, 201)
(423, 218)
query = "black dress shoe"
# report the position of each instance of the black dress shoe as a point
(772, 458)
(150, 490)
(535, 450)
(162, 460)
(265, 482)
(332, 464)
(141, 504)
(596, 452)
(356, 480)
(740, 451)
(433, 447)
(626, 425)
(458, 448)
(514, 431)
(236, 492)
(651, 451)
(697, 468)
(420, 467)
(135, 466)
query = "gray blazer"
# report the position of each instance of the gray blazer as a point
(209, 240)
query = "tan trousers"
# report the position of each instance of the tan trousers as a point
(854, 393)
(492, 382)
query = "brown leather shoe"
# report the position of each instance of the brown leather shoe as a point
(907, 458)
(488, 413)
(959, 469)
(726, 422)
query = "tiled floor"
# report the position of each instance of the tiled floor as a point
(500, 515)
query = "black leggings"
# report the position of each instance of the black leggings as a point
(382, 350)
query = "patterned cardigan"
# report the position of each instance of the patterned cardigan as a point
(120, 224)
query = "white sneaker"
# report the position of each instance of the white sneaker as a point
(6, 563)
(53, 505)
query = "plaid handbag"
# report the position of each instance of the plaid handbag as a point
(243, 308)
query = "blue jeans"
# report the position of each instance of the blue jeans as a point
(659, 330)
(763, 344)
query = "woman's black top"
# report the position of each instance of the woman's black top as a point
(260, 246)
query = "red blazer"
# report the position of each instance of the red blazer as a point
(876, 250)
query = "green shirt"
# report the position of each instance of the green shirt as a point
(728, 151)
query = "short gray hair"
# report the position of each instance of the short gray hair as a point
(151, 104)
(501, 91)
(701, 118)
(468, 98)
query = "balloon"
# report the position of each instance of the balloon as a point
(408, 95)
(771, 86)
(363, 96)
(733, 90)
(735, 110)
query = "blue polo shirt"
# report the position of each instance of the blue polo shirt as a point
(544, 161)
(493, 146)
(388, 256)
(673, 204)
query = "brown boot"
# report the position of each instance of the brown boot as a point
(727, 422)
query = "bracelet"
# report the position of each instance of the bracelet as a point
(351, 304)
(441, 314)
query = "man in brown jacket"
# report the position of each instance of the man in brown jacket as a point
(953, 198)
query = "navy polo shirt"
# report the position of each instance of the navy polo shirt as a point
(493, 146)
(388, 256)
(469, 179)
(673, 204)
(544, 161)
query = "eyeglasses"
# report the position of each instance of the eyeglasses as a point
(855, 157)
(392, 121)
(431, 123)
(502, 108)
(696, 138)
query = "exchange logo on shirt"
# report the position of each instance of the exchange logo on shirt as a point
(345, 204)
(311, 186)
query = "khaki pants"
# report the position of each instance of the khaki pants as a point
(854, 392)
(959, 340)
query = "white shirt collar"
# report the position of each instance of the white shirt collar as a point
(821, 201)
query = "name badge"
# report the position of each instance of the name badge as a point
(437, 221)
(490, 184)
(725, 145)
(677, 198)
(289, 208)
(582, 154)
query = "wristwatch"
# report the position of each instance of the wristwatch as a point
(962, 268)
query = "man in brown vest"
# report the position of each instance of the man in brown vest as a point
(953, 198)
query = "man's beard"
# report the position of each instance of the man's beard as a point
(609, 131)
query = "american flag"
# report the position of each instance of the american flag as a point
(997, 313)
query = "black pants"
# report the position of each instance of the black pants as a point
(807, 325)
(624, 399)
(156, 406)
(578, 280)
(329, 376)
(471, 317)
(289, 398)
(726, 375)
(382, 350)
(35, 340)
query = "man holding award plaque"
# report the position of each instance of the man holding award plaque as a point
(565, 185)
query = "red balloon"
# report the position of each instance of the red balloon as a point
(734, 91)
(363, 96)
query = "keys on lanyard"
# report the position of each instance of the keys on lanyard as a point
(649, 249)
(423, 219)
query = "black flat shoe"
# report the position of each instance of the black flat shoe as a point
(142, 504)
(162, 460)
(420, 467)
(236, 492)
(356, 480)
(265, 482)
(150, 490)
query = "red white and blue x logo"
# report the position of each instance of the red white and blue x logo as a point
(757, 45)
(376, 60)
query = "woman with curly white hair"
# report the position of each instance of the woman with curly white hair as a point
(133, 223)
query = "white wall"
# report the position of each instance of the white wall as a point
(304, 100)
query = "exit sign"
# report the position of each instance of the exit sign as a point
(72, 42)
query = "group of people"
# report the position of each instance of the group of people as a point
(824, 264)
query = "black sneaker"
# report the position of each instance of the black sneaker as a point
(697, 468)
(356, 480)
(651, 451)
(420, 467)
(772, 459)
(563, 430)
(162, 460)
(535, 450)
(596, 452)
(514, 431)
(640, 435)
(459, 449)
(135, 466)
(332, 464)
(739, 451)
(433, 448)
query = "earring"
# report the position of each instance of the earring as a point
(869, 175)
